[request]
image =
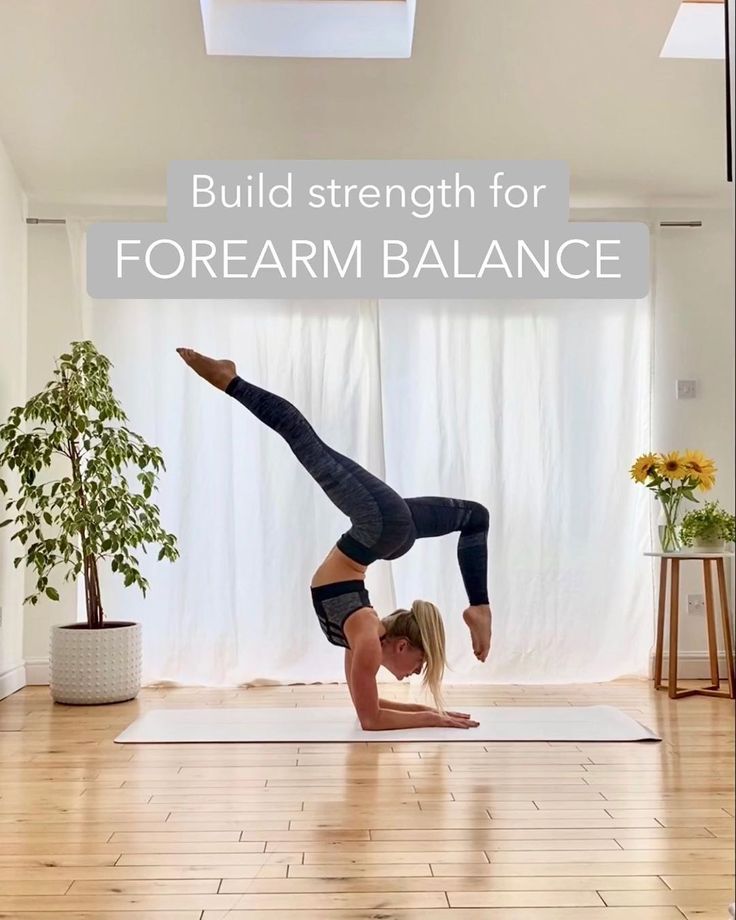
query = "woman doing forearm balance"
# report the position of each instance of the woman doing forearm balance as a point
(384, 526)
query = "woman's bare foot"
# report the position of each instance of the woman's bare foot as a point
(218, 373)
(478, 621)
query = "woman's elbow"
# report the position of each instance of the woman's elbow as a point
(369, 721)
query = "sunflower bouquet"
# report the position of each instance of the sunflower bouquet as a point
(674, 477)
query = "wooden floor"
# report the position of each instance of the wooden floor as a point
(544, 831)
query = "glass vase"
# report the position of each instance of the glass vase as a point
(669, 532)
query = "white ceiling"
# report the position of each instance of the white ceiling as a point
(97, 96)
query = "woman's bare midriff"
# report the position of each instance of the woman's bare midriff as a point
(337, 567)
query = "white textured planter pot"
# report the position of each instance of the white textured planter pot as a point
(90, 666)
(710, 546)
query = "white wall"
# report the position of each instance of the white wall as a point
(13, 302)
(732, 78)
(693, 339)
(53, 322)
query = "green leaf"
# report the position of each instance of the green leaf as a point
(94, 507)
(52, 593)
(5, 523)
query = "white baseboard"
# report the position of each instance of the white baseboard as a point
(12, 681)
(37, 671)
(691, 665)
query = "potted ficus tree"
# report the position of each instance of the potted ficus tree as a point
(73, 457)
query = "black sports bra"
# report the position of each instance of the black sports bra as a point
(334, 603)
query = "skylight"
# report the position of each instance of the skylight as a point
(309, 28)
(697, 32)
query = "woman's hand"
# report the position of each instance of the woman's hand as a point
(452, 720)
(453, 715)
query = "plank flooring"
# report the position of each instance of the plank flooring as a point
(91, 830)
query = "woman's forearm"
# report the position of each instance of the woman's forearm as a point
(391, 719)
(404, 707)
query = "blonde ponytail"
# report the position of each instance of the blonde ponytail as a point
(423, 627)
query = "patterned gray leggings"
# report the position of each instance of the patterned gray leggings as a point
(384, 525)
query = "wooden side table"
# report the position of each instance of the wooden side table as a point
(671, 562)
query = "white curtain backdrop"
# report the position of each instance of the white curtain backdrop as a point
(535, 409)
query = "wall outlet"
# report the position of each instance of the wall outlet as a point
(686, 389)
(696, 605)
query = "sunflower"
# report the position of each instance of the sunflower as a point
(643, 467)
(700, 468)
(670, 466)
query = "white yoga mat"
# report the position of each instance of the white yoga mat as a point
(497, 723)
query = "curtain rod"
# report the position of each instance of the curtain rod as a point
(663, 223)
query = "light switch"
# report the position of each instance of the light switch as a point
(686, 389)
